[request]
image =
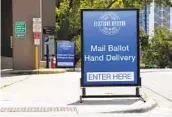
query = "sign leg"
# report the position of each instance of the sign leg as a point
(138, 94)
(80, 99)
(137, 91)
(83, 94)
(141, 98)
(83, 91)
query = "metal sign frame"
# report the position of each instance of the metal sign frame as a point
(138, 49)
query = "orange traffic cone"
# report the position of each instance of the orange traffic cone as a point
(53, 63)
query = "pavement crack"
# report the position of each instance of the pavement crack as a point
(7, 85)
(170, 100)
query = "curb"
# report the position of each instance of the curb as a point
(39, 71)
(155, 70)
(73, 69)
(51, 71)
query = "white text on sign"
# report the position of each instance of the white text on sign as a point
(109, 76)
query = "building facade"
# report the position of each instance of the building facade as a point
(19, 53)
(155, 17)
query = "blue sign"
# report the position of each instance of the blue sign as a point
(110, 47)
(46, 38)
(65, 54)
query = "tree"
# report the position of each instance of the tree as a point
(159, 51)
(143, 37)
(68, 15)
(68, 12)
(68, 18)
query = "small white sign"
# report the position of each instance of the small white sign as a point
(37, 26)
(36, 19)
(37, 41)
(65, 63)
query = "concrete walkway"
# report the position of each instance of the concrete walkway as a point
(53, 90)
(10, 77)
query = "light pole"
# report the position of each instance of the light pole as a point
(41, 36)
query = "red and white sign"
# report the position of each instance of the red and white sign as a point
(37, 29)
(37, 35)
(37, 38)
(37, 41)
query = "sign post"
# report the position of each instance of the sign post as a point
(36, 34)
(37, 30)
(110, 49)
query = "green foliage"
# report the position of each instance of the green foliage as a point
(77, 41)
(159, 51)
(68, 24)
(143, 39)
(135, 3)
(100, 4)
(74, 17)
(89, 4)
(164, 3)
(68, 18)
(141, 3)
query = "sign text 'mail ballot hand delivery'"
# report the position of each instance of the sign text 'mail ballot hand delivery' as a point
(110, 47)
(109, 57)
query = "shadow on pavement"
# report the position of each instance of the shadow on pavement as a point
(106, 102)
(10, 75)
